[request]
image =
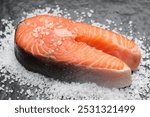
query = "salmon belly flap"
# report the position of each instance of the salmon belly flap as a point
(73, 51)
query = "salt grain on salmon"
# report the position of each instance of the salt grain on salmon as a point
(41, 42)
(59, 42)
(42, 32)
(35, 35)
(49, 52)
(46, 33)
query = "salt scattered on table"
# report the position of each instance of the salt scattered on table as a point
(45, 88)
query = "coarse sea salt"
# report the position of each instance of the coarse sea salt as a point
(41, 87)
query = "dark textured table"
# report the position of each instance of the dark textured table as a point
(132, 18)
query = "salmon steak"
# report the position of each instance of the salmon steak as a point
(75, 51)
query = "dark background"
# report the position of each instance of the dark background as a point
(137, 11)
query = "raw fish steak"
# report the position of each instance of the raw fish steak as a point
(76, 51)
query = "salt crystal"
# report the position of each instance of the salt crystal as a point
(120, 29)
(89, 14)
(52, 51)
(42, 32)
(41, 42)
(130, 22)
(1, 33)
(47, 33)
(35, 35)
(91, 10)
(49, 25)
(109, 21)
(28, 91)
(63, 39)
(22, 90)
(59, 42)
(1, 88)
(49, 52)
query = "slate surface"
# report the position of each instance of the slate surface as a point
(137, 11)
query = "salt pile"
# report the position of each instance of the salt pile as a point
(18, 83)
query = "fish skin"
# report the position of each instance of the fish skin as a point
(103, 56)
